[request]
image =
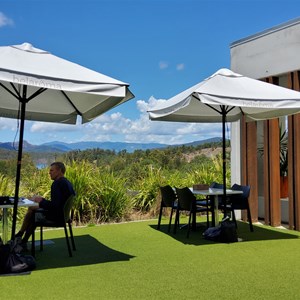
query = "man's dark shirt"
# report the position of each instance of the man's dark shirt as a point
(61, 190)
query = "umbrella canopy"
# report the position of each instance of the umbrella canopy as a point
(237, 94)
(36, 85)
(57, 90)
(226, 96)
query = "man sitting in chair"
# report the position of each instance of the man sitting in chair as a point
(61, 190)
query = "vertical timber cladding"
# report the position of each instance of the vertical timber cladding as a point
(294, 158)
(272, 169)
(266, 174)
(271, 173)
(249, 166)
(296, 167)
(291, 171)
(274, 173)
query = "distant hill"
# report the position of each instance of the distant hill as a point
(60, 147)
(207, 141)
(114, 146)
(31, 148)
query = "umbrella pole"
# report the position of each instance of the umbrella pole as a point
(224, 158)
(19, 161)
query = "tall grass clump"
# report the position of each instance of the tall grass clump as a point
(6, 189)
(147, 188)
(82, 176)
(100, 195)
(6, 186)
(110, 197)
(207, 173)
(37, 182)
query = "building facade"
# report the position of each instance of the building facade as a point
(271, 56)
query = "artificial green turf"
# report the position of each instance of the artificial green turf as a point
(136, 261)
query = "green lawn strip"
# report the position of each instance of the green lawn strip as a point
(136, 261)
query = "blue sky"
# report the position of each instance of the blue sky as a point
(159, 47)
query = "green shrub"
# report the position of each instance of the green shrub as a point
(109, 191)
(109, 197)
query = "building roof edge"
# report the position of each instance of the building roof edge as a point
(265, 32)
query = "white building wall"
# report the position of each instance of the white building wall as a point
(235, 153)
(235, 156)
(271, 52)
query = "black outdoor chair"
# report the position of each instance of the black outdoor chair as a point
(239, 202)
(214, 185)
(187, 202)
(209, 201)
(66, 219)
(168, 199)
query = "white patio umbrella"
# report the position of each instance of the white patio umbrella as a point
(36, 85)
(226, 96)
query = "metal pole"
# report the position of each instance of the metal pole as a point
(19, 162)
(224, 157)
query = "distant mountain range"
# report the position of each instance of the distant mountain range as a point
(114, 146)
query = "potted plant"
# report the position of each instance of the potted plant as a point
(283, 143)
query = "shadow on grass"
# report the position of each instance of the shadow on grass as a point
(89, 251)
(261, 233)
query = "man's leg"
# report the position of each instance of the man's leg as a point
(28, 224)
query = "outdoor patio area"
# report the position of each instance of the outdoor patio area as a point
(136, 261)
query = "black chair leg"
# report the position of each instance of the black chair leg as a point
(159, 217)
(193, 214)
(213, 216)
(170, 221)
(189, 225)
(207, 214)
(233, 218)
(41, 239)
(176, 220)
(68, 242)
(33, 243)
(250, 220)
(72, 237)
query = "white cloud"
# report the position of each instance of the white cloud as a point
(116, 127)
(116, 116)
(45, 127)
(144, 106)
(163, 65)
(5, 21)
(145, 130)
(180, 67)
(105, 127)
(8, 124)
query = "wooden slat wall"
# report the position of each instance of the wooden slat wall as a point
(295, 188)
(271, 173)
(294, 159)
(266, 174)
(272, 165)
(274, 173)
(244, 158)
(272, 169)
